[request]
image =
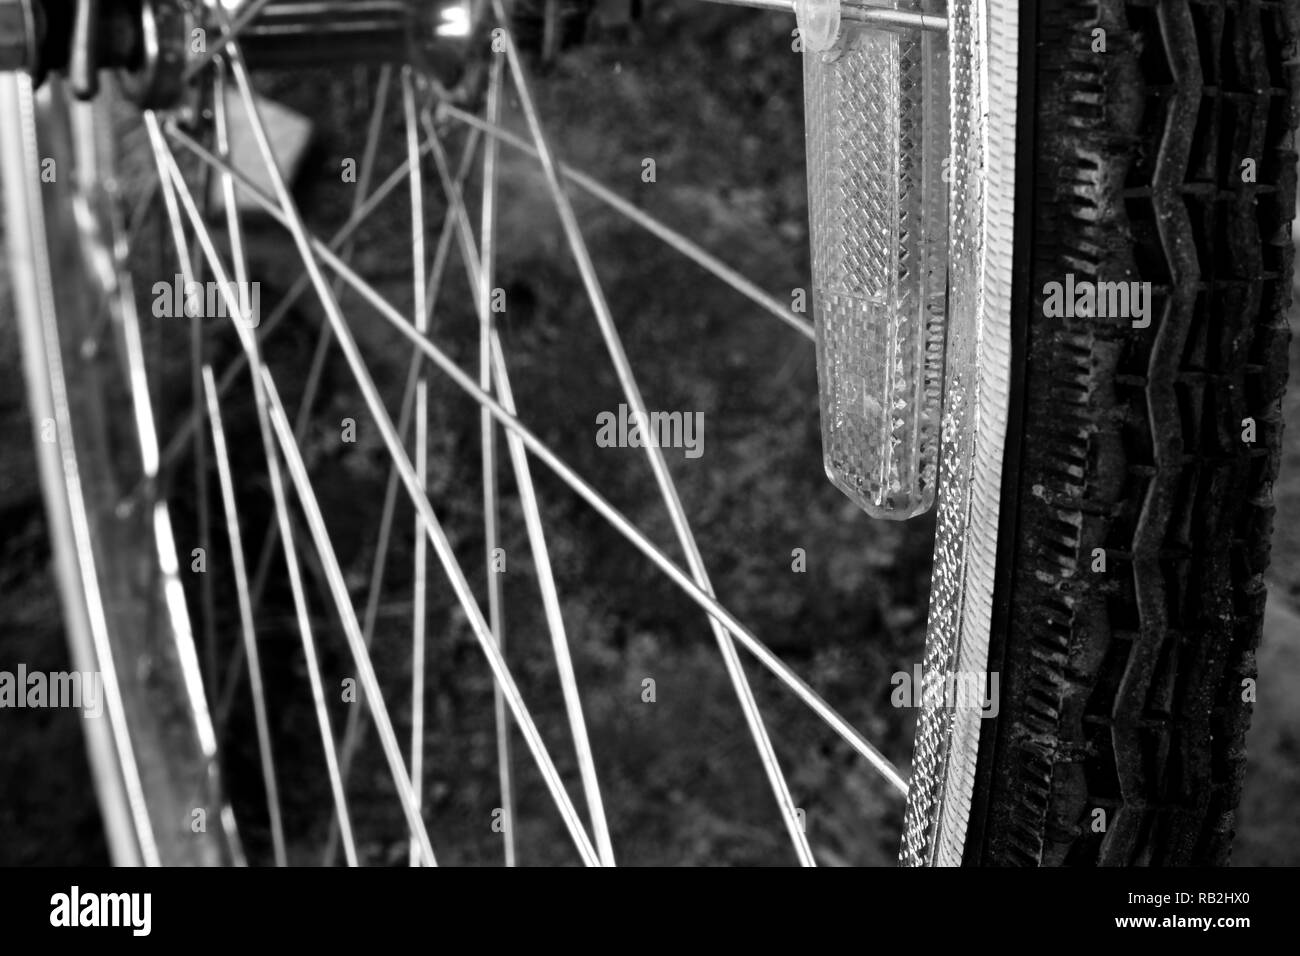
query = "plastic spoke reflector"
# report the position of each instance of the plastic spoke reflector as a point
(876, 110)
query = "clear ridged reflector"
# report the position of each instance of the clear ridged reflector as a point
(877, 115)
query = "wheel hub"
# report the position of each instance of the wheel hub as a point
(154, 43)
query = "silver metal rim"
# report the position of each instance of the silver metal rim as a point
(984, 38)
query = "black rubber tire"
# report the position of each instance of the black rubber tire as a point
(1136, 515)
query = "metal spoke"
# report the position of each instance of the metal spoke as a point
(571, 478)
(227, 483)
(480, 279)
(352, 734)
(352, 730)
(328, 272)
(199, 446)
(421, 450)
(176, 444)
(317, 368)
(345, 238)
(663, 478)
(432, 526)
(640, 217)
(207, 596)
(177, 189)
(177, 227)
(231, 28)
(269, 407)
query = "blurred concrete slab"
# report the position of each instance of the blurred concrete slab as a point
(289, 132)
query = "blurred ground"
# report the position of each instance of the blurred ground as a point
(716, 102)
(1268, 827)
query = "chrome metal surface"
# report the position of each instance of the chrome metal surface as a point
(983, 60)
(870, 14)
(153, 751)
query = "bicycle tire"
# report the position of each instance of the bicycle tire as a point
(1136, 512)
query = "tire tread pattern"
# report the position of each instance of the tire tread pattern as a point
(1121, 690)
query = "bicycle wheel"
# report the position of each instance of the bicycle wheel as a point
(156, 196)
(1092, 462)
